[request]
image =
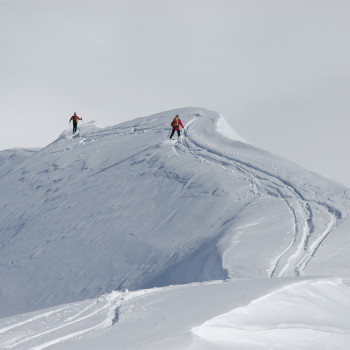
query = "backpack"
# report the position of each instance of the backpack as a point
(175, 122)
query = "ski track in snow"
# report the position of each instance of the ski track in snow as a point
(307, 238)
(63, 323)
(98, 314)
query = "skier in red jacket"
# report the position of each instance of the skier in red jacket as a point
(176, 123)
(75, 122)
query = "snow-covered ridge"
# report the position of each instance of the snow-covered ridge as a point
(124, 188)
(122, 207)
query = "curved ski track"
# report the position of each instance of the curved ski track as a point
(58, 323)
(307, 235)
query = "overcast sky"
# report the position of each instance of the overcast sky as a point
(278, 70)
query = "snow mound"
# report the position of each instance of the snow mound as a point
(309, 315)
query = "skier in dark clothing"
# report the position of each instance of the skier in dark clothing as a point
(176, 123)
(75, 122)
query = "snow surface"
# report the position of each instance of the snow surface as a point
(225, 129)
(118, 238)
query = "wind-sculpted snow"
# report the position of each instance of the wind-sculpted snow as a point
(306, 315)
(250, 314)
(122, 207)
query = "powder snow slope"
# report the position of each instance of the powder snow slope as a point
(122, 207)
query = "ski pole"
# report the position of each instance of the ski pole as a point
(82, 123)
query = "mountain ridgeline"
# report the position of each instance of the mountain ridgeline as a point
(123, 208)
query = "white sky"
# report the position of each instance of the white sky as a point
(277, 69)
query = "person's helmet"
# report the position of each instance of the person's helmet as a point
(75, 113)
(177, 116)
